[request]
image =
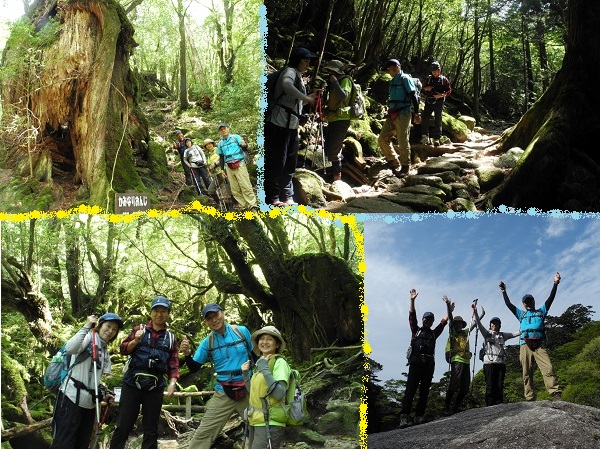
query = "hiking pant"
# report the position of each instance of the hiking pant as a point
(419, 376)
(494, 382)
(281, 157)
(460, 379)
(218, 411)
(241, 188)
(186, 170)
(335, 133)
(435, 108)
(542, 359)
(202, 178)
(129, 408)
(73, 425)
(400, 127)
(258, 437)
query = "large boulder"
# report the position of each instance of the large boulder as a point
(308, 188)
(522, 425)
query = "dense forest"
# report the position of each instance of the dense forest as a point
(574, 346)
(85, 115)
(526, 63)
(300, 273)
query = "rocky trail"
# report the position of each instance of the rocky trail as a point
(447, 177)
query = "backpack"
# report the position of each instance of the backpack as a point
(234, 327)
(418, 86)
(483, 350)
(357, 102)
(420, 345)
(296, 410)
(270, 85)
(60, 366)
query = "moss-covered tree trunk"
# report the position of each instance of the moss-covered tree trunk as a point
(81, 95)
(561, 165)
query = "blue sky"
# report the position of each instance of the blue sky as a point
(466, 259)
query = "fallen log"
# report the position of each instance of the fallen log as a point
(24, 430)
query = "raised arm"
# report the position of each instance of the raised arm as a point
(481, 327)
(413, 296)
(550, 299)
(449, 306)
(509, 304)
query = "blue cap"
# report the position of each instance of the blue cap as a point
(160, 301)
(428, 315)
(223, 125)
(301, 53)
(110, 317)
(496, 319)
(211, 308)
(390, 63)
(178, 131)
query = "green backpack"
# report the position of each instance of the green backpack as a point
(296, 411)
(357, 102)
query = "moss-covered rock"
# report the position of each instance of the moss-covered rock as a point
(25, 195)
(489, 177)
(457, 130)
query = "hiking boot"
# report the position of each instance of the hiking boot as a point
(419, 420)
(436, 143)
(557, 396)
(289, 202)
(404, 422)
(425, 140)
(444, 140)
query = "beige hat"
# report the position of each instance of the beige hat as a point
(207, 141)
(269, 330)
(334, 66)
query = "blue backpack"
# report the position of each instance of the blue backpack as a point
(60, 366)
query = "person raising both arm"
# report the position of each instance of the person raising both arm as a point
(533, 341)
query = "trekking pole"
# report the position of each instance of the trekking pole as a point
(195, 181)
(474, 358)
(96, 365)
(319, 111)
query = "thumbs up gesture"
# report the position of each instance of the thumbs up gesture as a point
(184, 347)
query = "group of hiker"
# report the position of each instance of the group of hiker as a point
(250, 373)
(220, 172)
(421, 354)
(288, 95)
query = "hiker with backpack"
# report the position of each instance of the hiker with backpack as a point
(228, 347)
(179, 145)
(286, 96)
(533, 341)
(493, 356)
(153, 358)
(338, 114)
(195, 159)
(421, 361)
(76, 404)
(402, 104)
(231, 149)
(436, 88)
(458, 355)
(267, 387)
(218, 188)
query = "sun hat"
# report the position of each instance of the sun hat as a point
(269, 330)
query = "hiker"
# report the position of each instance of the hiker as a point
(533, 341)
(218, 177)
(153, 355)
(494, 365)
(267, 388)
(421, 361)
(403, 97)
(281, 129)
(231, 150)
(339, 89)
(458, 354)
(75, 410)
(436, 88)
(195, 159)
(179, 145)
(227, 347)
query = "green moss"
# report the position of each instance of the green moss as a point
(25, 195)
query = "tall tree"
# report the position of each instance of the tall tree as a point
(181, 10)
(560, 167)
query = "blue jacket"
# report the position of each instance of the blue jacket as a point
(231, 148)
(402, 91)
(228, 353)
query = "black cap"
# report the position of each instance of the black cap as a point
(390, 63)
(301, 53)
(435, 65)
(528, 298)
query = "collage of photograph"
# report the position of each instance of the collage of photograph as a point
(240, 224)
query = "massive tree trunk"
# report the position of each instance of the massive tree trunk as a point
(561, 165)
(84, 121)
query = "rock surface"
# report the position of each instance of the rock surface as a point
(522, 425)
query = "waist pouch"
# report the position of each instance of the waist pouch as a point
(234, 390)
(234, 164)
(145, 381)
(393, 114)
(533, 343)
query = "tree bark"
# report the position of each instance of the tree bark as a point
(83, 83)
(561, 167)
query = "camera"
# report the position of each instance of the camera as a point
(156, 364)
